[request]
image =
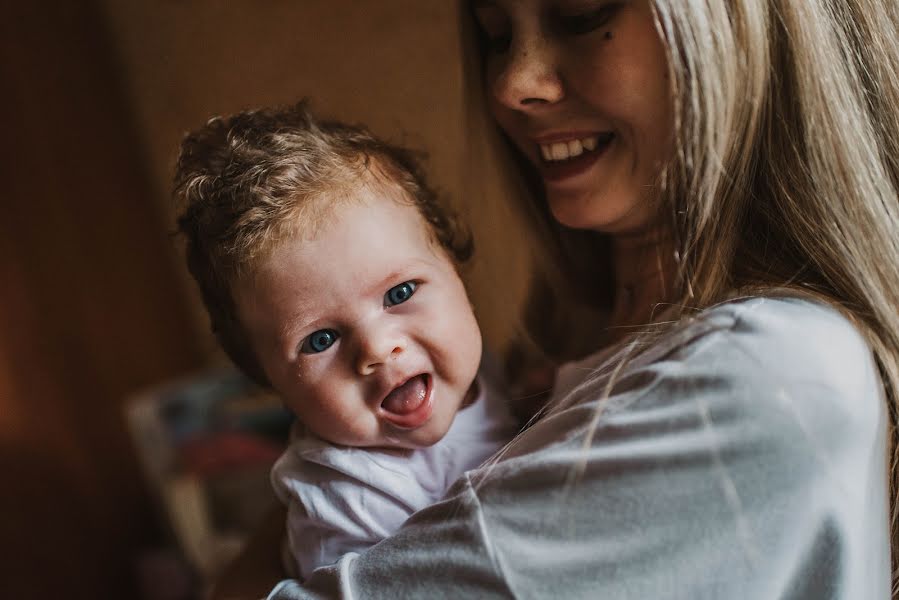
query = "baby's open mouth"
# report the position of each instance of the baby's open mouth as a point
(409, 405)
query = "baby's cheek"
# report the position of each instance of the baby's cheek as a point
(352, 428)
(304, 395)
(460, 352)
(446, 334)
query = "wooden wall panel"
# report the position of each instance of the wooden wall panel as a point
(90, 310)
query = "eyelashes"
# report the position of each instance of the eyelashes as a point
(319, 341)
(586, 22)
(400, 293)
(496, 36)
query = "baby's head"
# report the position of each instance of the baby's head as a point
(329, 270)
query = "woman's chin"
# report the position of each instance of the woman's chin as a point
(606, 215)
(579, 214)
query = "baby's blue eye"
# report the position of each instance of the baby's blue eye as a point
(399, 293)
(319, 341)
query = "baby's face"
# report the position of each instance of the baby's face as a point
(364, 326)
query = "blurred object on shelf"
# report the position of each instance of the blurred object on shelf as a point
(207, 444)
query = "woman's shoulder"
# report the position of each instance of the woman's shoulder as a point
(781, 342)
(768, 355)
(785, 385)
(748, 440)
(808, 331)
(759, 361)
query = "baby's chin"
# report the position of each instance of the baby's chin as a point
(416, 440)
(422, 437)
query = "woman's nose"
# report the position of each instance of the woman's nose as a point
(530, 78)
(377, 346)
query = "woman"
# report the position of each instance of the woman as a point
(716, 183)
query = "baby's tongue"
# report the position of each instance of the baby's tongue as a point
(407, 397)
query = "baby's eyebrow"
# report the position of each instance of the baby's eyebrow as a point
(383, 284)
(291, 327)
(393, 278)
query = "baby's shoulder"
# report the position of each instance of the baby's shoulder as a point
(313, 460)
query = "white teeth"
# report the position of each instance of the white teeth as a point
(569, 149)
(575, 148)
(546, 153)
(559, 151)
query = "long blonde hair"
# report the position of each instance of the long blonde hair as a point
(786, 170)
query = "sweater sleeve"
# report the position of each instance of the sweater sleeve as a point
(741, 457)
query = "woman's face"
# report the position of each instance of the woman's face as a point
(581, 88)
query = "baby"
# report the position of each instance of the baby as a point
(329, 270)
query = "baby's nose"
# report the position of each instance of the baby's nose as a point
(377, 350)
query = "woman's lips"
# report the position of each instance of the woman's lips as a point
(409, 405)
(555, 171)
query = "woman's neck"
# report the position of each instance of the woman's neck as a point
(645, 272)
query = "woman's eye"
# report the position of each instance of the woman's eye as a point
(319, 341)
(493, 28)
(399, 293)
(591, 20)
(497, 44)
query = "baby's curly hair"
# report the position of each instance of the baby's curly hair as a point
(246, 181)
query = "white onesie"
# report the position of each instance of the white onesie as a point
(341, 499)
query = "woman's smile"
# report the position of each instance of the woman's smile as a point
(562, 162)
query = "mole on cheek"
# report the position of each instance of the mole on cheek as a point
(607, 35)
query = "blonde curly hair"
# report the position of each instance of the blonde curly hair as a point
(247, 181)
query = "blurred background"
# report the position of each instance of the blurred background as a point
(97, 314)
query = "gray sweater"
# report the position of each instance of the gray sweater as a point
(743, 455)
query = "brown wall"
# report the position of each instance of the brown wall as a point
(91, 309)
